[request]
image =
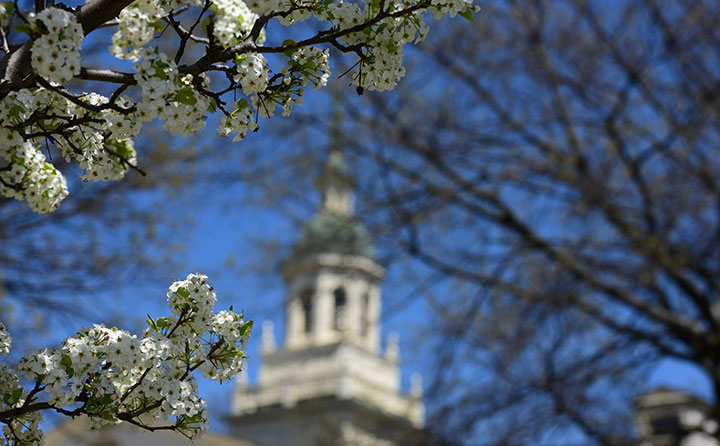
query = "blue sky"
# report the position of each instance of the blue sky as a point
(224, 229)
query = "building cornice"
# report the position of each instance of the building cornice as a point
(333, 261)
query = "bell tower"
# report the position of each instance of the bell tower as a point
(329, 380)
(333, 282)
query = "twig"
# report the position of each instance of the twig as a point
(125, 160)
(116, 77)
(75, 100)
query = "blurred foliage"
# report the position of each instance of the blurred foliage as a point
(550, 174)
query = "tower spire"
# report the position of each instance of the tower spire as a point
(335, 184)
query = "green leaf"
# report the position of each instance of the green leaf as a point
(151, 323)
(23, 28)
(467, 14)
(15, 110)
(212, 106)
(11, 398)
(205, 24)
(163, 323)
(183, 292)
(8, 6)
(159, 73)
(197, 418)
(160, 69)
(47, 126)
(242, 104)
(185, 96)
(66, 364)
(122, 148)
(157, 26)
(17, 393)
(288, 42)
(375, 4)
(245, 329)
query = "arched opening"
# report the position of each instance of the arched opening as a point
(306, 304)
(340, 301)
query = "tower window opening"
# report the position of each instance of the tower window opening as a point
(306, 301)
(340, 301)
(365, 315)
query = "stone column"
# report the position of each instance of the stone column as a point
(293, 325)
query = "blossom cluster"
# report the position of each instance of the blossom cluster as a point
(32, 179)
(105, 151)
(307, 65)
(137, 25)
(234, 21)
(96, 132)
(238, 122)
(24, 429)
(252, 73)
(313, 64)
(169, 95)
(56, 53)
(112, 376)
(380, 66)
(99, 142)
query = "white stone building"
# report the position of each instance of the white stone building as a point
(674, 418)
(329, 384)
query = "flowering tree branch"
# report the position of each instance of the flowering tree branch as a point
(183, 88)
(112, 376)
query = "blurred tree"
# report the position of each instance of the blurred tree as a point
(112, 235)
(555, 164)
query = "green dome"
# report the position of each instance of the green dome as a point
(332, 233)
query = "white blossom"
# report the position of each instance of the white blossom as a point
(5, 341)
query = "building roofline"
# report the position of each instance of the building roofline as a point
(332, 260)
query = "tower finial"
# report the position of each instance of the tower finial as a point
(416, 389)
(336, 184)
